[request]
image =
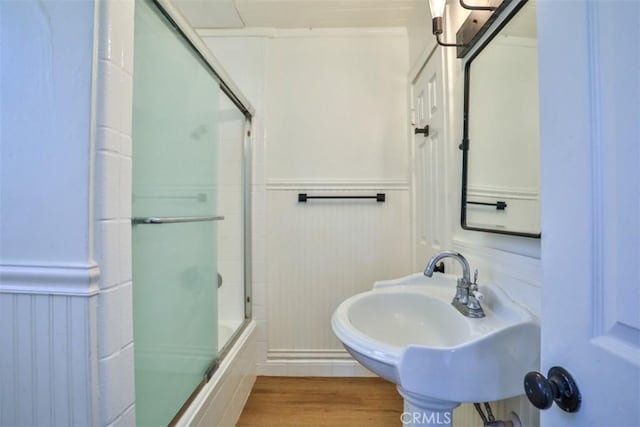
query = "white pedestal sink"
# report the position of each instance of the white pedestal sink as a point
(407, 331)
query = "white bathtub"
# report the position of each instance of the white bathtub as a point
(221, 400)
(226, 329)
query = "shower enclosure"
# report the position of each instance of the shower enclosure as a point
(190, 224)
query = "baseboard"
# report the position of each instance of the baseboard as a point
(312, 367)
(309, 354)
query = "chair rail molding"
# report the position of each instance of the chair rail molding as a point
(55, 279)
(296, 184)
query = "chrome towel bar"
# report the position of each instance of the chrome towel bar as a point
(175, 219)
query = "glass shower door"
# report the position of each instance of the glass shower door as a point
(175, 143)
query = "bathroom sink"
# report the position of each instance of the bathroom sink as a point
(407, 331)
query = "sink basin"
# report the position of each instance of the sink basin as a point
(407, 331)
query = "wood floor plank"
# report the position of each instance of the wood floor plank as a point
(318, 401)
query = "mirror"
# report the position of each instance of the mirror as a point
(501, 161)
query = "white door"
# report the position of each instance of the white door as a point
(429, 162)
(589, 58)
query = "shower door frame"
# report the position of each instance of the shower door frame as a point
(242, 103)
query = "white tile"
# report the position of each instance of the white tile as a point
(231, 271)
(124, 246)
(125, 187)
(261, 330)
(107, 185)
(108, 140)
(116, 22)
(127, 34)
(259, 249)
(258, 271)
(126, 148)
(258, 173)
(260, 294)
(126, 103)
(106, 48)
(258, 224)
(259, 312)
(115, 319)
(230, 248)
(116, 384)
(109, 86)
(258, 198)
(108, 252)
(232, 225)
(116, 33)
(230, 199)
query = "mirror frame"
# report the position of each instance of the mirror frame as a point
(464, 146)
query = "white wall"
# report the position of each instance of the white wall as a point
(64, 270)
(421, 41)
(48, 280)
(336, 107)
(336, 122)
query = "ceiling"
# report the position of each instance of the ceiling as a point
(297, 13)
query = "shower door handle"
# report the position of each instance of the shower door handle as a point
(174, 219)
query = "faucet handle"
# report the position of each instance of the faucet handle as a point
(474, 287)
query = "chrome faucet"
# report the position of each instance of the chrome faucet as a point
(467, 299)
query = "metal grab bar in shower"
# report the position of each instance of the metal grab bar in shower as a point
(175, 219)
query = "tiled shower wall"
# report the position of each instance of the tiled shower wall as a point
(245, 59)
(112, 201)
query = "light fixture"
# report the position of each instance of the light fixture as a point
(469, 7)
(437, 13)
(473, 27)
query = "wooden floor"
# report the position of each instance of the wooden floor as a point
(315, 401)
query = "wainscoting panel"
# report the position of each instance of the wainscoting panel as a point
(522, 212)
(323, 251)
(46, 373)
